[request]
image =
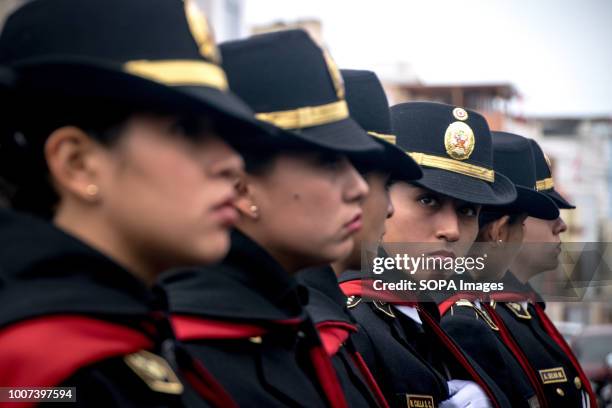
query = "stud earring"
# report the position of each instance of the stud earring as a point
(92, 190)
(254, 210)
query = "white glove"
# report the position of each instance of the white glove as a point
(465, 394)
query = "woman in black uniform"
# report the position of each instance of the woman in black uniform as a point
(299, 206)
(116, 166)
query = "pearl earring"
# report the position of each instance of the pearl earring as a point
(92, 190)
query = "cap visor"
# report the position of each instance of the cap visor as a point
(469, 189)
(561, 202)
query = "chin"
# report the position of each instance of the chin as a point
(214, 249)
(338, 252)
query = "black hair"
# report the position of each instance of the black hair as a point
(490, 214)
(25, 183)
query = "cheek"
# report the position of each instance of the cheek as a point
(407, 224)
(162, 188)
(468, 234)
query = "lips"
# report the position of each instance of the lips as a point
(354, 224)
(225, 211)
(441, 254)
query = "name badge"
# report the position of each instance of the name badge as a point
(553, 375)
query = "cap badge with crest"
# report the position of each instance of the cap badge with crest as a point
(201, 31)
(335, 74)
(459, 139)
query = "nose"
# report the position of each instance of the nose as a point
(356, 187)
(446, 223)
(228, 164)
(560, 226)
(390, 208)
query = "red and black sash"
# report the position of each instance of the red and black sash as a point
(78, 341)
(361, 287)
(333, 335)
(518, 353)
(189, 328)
(554, 334)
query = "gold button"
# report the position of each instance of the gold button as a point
(256, 339)
(577, 382)
(560, 392)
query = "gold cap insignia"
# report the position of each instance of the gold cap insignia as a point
(154, 371)
(334, 72)
(201, 31)
(548, 163)
(460, 114)
(459, 140)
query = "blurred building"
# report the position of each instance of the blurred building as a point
(492, 100)
(226, 17)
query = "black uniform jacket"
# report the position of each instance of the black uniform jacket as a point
(71, 317)
(327, 307)
(245, 320)
(412, 362)
(558, 371)
(477, 333)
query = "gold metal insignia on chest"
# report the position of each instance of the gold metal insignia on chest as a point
(154, 371)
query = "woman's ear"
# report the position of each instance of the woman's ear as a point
(71, 157)
(500, 229)
(244, 202)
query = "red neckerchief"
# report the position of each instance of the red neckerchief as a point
(78, 341)
(359, 287)
(196, 328)
(364, 288)
(333, 335)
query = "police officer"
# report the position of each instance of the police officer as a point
(466, 316)
(520, 307)
(415, 361)
(326, 303)
(299, 206)
(117, 168)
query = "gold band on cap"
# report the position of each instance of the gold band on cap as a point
(455, 166)
(179, 72)
(545, 184)
(387, 138)
(307, 116)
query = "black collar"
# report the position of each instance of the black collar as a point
(248, 284)
(44, 270)
(326, 302)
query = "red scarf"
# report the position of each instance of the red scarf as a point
(195, 328)
(359, 287)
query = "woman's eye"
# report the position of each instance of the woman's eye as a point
(469, 211)
(428, 201)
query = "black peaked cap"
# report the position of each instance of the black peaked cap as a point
(369, 107)
(290, 82)
(545, 183)
(453, 147)
(514, 158)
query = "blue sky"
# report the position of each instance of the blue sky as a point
(558, 53)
